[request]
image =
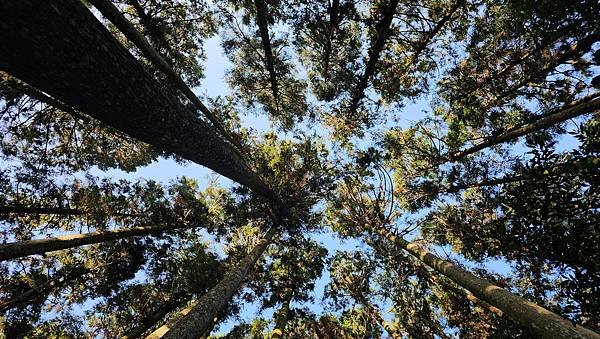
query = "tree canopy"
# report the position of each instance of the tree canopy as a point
(390, 169)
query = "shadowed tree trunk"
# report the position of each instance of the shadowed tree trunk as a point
(175, 303)
(536, 173)
(542, 321)
(112, 13)
(383, 31)
(193, 321)
(74, 58)
(581, 107)
(42, 290)
(282, 317)
(262, 22)
(41, 246)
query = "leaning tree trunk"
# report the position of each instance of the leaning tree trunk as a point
(542, 321)
(173, 304)
(581, 107)
(263, 26)
(193, 321)
(383, 31)
(42, 290)
(60, 48)
(112, 13)
(536, 173)
(40, 246)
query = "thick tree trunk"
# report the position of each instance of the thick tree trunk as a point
(263, 26)
(40, 246)
(466, 294)
(60, 48)
(281, 319)
(112, 13)
(194, 320)
(546, 323)
(581, 107)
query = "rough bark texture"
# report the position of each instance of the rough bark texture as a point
(578, 108)
(544, 322)
(383, 30)
(60, 48)
(40, 246)
(193, 321)
(112, 13)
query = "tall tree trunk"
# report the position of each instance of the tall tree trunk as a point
(537, 173)
(112, 13)
(40, 246)
(262, 21)
(43, 289)
(60, 48)
(281, 318)
(383, 31)
(176, 302)
(194, 320)
(542, 321)
(18, 209)
(578, 108)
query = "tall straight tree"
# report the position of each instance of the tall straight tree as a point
(196, 320)
(74, 58)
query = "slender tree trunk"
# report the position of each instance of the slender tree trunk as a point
(263, 26)
(376, 315)
(383, 31)
(17, 209)
(546, 323)
(60, 48)
(112, 13)
(574, 51)
(194, 320)
(155, 318)
(40, 246)
(281, 319)
(584, 106)
(43, 288)
(536, 173)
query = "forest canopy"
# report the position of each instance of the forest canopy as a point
(429, 169)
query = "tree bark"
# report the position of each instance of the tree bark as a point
(536, 173)
(263, 26)
(578, 108)
(17, 209)
(60, 48)
(542, 321)
(40, 246)
(281, 319)
(112, 13)
(46, 287)
(194, 320)
(383, 30)
(154, 318)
